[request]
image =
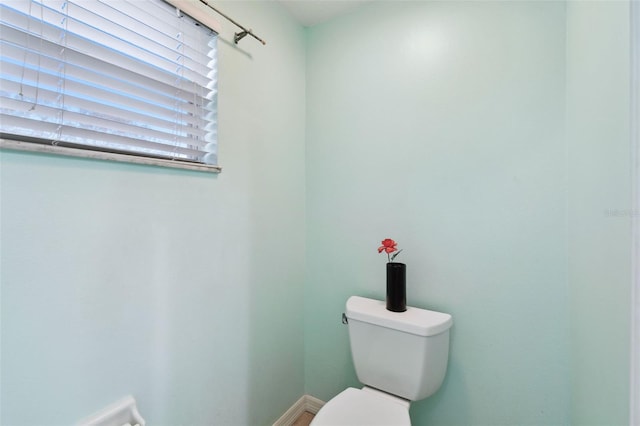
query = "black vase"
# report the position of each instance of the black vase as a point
(396, 287)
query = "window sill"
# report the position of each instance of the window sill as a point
(99, 155)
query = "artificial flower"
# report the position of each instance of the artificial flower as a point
(389, 246)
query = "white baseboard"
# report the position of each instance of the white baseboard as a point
(313, 404)
(305, 403)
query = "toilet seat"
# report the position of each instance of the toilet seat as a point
(366, 407)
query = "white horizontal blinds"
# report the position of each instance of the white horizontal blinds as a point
(115, 75)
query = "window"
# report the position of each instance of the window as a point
(135, 79)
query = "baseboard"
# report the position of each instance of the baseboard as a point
(313, 404)
(305, 403)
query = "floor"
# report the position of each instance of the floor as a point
(304, 419)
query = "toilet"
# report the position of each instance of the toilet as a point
(400, 357)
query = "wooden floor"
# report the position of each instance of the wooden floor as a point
(304, 419)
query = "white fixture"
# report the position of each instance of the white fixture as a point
(121, 413)
(399, 356)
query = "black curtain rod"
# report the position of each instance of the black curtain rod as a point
(237, 36)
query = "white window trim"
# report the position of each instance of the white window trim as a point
(7, 144)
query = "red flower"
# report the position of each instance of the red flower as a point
(388, 246)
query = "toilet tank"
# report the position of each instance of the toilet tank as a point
(401, 353)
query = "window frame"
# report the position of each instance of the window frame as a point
(196, 11)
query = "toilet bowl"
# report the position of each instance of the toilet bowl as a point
(399, 356)
(363, 407)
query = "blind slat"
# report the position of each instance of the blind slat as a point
(86, 31)
(86, 96)
(53, 134)
(176, 135)
(24, 64)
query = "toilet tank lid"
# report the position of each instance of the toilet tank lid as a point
(416, 321)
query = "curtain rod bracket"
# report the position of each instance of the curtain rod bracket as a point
(237, 36)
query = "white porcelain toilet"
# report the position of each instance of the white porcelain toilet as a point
(399, 356)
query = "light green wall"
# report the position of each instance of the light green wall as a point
(441, 125)
(181, 288)
(491, 140)
(599, 203)
(488, 138)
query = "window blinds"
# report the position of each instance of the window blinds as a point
(129, 77)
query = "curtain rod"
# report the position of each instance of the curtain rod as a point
(237, 36)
